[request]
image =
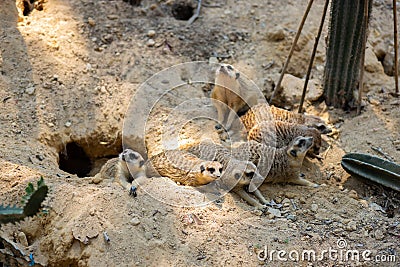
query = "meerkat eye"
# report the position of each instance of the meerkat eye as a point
(293, 153)
(211, 170)
(220, 170)
(237, 75)
(202, 169)
(237, 176)
(229, 67)
(141, 163)
(250, 174)
(133, 156)
(301, 142)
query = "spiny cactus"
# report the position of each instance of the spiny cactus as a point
(346, 36)
(31, 202)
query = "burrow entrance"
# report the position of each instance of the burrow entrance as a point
(85, 157)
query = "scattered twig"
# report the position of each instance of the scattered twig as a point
(396, 77)
(268, 65)
(381, 152)
(303, 20)
(196, 14)
(314, 51)
(361, 83)
(294, 205)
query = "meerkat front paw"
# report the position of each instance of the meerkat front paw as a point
(133, 191)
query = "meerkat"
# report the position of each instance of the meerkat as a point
(286, 161)
(281, 133)
(264, 112)
(237, 174)
(226, 94)
(183, 168)
(127, 167)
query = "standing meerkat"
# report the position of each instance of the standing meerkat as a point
(183, 168)
(264, 112)
(127, 167)
(237, 174)
(226, 94)
(280, 134)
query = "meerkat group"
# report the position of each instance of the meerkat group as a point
(278, 141)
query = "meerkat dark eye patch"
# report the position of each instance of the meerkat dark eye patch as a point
(141, 163)
(229, 67)
(249, 174)
(211, 170)
(237, 176)
(220, 170)
(293, 153)
(133, 156)
(202, 169)
(301, 142)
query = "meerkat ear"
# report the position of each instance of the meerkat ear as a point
(237, 75)
(202, 169)
(293, 153)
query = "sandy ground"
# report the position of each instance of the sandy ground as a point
(68, 73)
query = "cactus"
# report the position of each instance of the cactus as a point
(32, 202)
(346, 36)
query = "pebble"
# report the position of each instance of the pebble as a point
(314, 207)
(276, 34)
(135, 221)
(151, 33)
(148, 235)
(91, 21)
(68, 124)
(97, 179)
(274, 212)
(150, 43)
(376, 207)
(379, 235)
(291, 217)
(30, 90)
(22, 239)
(353, 194)
(351, 226)
(213, 60)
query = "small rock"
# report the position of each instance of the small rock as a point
(364, 202)
(91, 21)
(150, 43)
(376, 207)
(148, 235)
(112, 17)
(379, 235)
(277, 34)
(290, 195)
(135, 221)
(97, 179)
(351, 226)
(151, 33)
(68, 124)
(353, 194)
(291, 217)
(30, 90)
(374, 101)
(213, 60)
(372, 63)
(274, 212)
(314, 207)
(293, 87)
(388, 63)
(22, 239)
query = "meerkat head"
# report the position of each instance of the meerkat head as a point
(298, 148)
(133, 160)
(316, 138)
(210, 171)
(227, 76)
(240, 173)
